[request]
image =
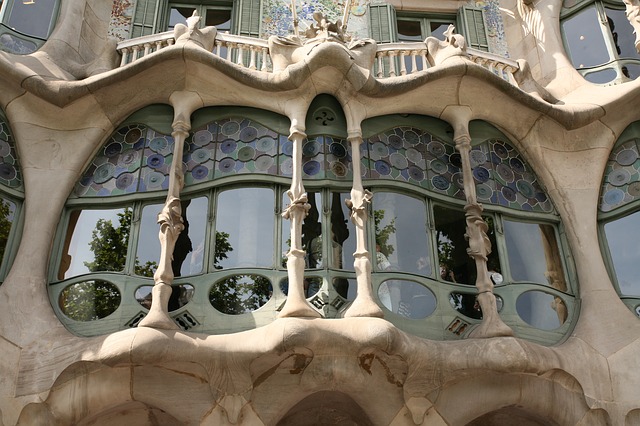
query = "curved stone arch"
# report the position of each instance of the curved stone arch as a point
(557, 394)
(324, 408)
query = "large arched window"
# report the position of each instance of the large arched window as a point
(26, 25)
(11, 195)
(230, 261)
(600, 41)
(619, 215)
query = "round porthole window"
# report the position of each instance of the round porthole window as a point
(239, 294)
(407, 298)
(89, 300)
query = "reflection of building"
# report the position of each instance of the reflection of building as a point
(175, 167)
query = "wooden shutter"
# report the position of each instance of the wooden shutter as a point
(248, 17)
(473, 27)
(382, 23)
(145, 17)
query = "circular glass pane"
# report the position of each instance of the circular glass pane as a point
(538, 309)
(239, 294)
(311, 286)
(407, 298)
(180, 296)
(467, 304)
(89, 300)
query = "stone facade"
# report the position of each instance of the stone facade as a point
(63, 102)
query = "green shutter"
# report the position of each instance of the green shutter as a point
(382, 23)
(248, 17)
(473, 27)
(145, 17)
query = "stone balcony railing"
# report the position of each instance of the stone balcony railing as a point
(392, 59)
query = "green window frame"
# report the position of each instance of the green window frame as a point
(405, 253)
(599, 41)
(154, 16)
(26, 25)
(385, 21)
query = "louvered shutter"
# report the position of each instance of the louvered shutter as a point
(382, 23)
(145, 17)
(248, 17)
(473, 27)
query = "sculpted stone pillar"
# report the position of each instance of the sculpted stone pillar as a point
(476, 231)
(170, 218)
(296, 304)
(363, 305)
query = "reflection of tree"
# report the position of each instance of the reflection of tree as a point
(109, 245)
(384, 232)
(6, 212)
(89, 300)
(240, 293)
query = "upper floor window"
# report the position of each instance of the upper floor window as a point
(388, 26)
(239, 17)
(26, 24)
(600, 41)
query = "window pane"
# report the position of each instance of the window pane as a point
(189, 249)
(584, 39)
(31, 17)
(622, 237)
(239, 294)
(180, 296)
(622, 33)
(97, 240)
(455, 265)
(467, 304)
(533, 253)
(538, 309)
(600, 77)
(401, 233)
(179, 15)
(407, 298)
(89, 300)
(437, 29)
(311, 286)
(409, 31)
(7, 216)
(219, 18)
(245, 227)
(343, 233)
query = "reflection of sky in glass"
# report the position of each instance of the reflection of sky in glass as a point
(32, 18)
(82, 235)
(525, 251)
(149, 244)
(247, 215)
(534, 307)
(622, 32)
(584, 40)
(622, 237)
(410, 243)
(407, 298)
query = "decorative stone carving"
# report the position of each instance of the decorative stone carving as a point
(633, 15)
(204, 38)
(296, 304)
(453, 45)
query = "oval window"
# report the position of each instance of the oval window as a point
(407, 298)
(311, 286)
(180, 296)
(239, 294)
(467, 304)
(89, 300)
(541, 310)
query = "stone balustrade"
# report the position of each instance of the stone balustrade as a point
(392, 59)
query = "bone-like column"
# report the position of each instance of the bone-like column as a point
(363, 305)
(296, 304)
(170, 221)
(476, 232)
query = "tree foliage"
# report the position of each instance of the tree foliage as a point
(89, 300)
(383, 232)
(6, 220)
